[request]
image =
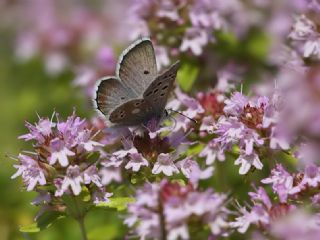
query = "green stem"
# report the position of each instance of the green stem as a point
(79, 216)
(82, 228)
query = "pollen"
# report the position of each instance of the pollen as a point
(252, 116)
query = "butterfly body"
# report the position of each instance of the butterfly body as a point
(137, 94)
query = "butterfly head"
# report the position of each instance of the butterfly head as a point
(153, 123)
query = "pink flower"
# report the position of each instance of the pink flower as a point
(136, 162)
(72, 179)
(282, 182)
(91, 175)
(195, 39)
(38, 132)
(101, 196)
(109, 174)
(192, 170)
(234, 106)
(247, 161)
(30, 171)
(212, 152)
(59, 152)
(165, 165)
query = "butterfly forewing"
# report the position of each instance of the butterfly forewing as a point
(133, 112)
(136, 94)
(137, 67)
(111, 94)
(158, 91)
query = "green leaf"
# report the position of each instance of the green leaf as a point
(187, 75)
(119, 203)
(85, 194)
(77, 206)
(44, 221)
(257, 46)
(32, 228)
(195, 149)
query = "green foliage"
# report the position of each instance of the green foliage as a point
(119, 203)
(187, 75)
(43, 222)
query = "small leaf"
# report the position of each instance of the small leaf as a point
(119, 203)
(85, 194)
(32, 228)
(76, 205)
(187, 75)
(44, 221)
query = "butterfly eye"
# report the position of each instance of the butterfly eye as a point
(146, 72)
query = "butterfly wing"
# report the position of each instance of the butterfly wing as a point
(158, 92)
(133, 112)
(111, 94)
(137, 66)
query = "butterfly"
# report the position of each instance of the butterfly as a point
(137, 94)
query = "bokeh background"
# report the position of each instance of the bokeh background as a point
(27, 88)
(52, 53)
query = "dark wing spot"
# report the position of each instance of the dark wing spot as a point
(156, 90)
(148, 94)
(137, 104)
(122, 98)
(162, 94)
(146, 72)
(165, 87)
(159, 83)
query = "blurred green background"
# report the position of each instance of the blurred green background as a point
(25, 90)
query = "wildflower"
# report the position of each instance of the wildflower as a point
(73, 179)
(247, 161)
(194, 40)
(30, 171)
(177, 204)
(165, 164)
(282, 182)
(59, 152)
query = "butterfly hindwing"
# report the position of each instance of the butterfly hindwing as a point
(110, 94)
(137, 66)
(133, 112)
(158, 91)
(136, 94)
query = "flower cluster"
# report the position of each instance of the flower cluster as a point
(170, 210)
(223, 45)
(275, 217)
(250, 124)
(63, 162)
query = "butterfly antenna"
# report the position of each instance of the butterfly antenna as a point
(191, 119)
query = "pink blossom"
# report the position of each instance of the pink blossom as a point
(72, 179)
(30, 171)
(165, 165)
